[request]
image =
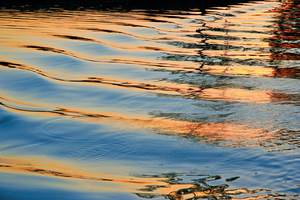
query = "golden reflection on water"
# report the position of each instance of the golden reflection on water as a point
(126, 24)
(62, 169)
(242, 52)
(234, 135)
(219, 94)
(145, 186)
(233, 35)
(254, 43)
(238, 95)
(240, 70)
(132, 184)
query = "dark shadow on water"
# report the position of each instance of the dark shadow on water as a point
(115, 4)
(186, 186)
(197, 186)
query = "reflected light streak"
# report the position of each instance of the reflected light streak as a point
(63, 169)
(239, 70)
(236, 135)
(220, 94)
(236, 95)
(144, 186)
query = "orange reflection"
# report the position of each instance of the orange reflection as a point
(63, 169)
(233, 39)
(144, 186)
(237, 134)
(233, 134)
(237, 95)
(238, 70)
(219, 94)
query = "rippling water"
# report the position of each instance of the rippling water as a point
(151, 104)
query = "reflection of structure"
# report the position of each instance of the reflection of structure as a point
(286, 72)
(199, 189)
(286, 42)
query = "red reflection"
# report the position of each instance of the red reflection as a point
(285, 98)
(284, 43)
(286, 72)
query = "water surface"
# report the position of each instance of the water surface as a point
(150, 104)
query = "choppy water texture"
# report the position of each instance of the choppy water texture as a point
(151, 104)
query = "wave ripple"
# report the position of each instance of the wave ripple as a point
(178, 94)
